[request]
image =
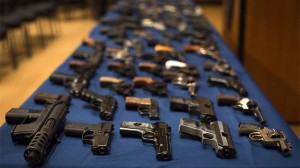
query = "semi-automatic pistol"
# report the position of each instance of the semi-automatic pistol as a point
(145, 106)
(157, 133)
(200, 106)
(155, 87)
(97, 135)
(216, 134)
(118, 85)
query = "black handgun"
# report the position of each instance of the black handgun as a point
(98, 135)
(145, 106)
(77, 84)
(200, 106)
(221, 68)
(118, 85)
(269, 137)
(245, 105)
(123, 69)
(216, 134)
(157, 133)
(39, 128)
(229, 83)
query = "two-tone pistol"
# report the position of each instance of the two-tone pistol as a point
(145, 106)
(155, 87)
(118, 85)
(216, 134)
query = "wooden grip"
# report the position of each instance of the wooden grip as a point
(148, 65)
(142, 81)
(107, 79)
(192, 48)
(136, 101)
(159, 47)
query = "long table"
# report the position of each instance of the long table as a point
(132, 152)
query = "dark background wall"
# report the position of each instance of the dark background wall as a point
(268, 44)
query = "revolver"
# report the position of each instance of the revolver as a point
(97, 135)
(245, 105)
(145, 106)
(221, 68)
(269, 137)
(229, 83)
(118, 85)
(155, 87)
(200, 106)
(216, 134)
(157, 133)
(123, 69)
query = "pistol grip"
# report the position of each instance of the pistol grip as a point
(247, 128)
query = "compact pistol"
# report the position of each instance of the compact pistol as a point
(145, 106)
(157, 133)
(97, 135)
(216, 134)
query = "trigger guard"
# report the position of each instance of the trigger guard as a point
(255, 136)
(149, 138)
(143, 110)
(87, 137)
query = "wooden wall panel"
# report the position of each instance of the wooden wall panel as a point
(271, 52)
(231, 32)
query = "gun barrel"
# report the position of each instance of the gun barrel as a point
(257, 114)
(226, 99)
(18, 115)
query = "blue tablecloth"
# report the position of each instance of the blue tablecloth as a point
(132, 152)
